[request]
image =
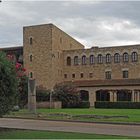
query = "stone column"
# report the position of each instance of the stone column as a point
(32, 96)
(111, 96)
(138, 96)
(92, 98)
(133, 96)
(114, 96)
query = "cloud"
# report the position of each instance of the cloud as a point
(101, 23)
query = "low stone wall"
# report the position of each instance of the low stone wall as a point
(56, 104)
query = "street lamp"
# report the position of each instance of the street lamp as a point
(51, 99)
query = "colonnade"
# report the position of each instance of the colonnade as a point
(134, 94)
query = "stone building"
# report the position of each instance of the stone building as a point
(101, 73)
(16, 52)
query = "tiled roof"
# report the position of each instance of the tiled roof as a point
(11, 48)
(98, 83)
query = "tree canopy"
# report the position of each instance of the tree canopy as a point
(8, 84)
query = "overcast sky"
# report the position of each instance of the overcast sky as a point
(93, 23)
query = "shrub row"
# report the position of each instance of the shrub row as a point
(81, 104)
(84, 104)
(125, 104)
(42, 95)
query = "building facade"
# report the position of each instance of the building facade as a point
(103, 74)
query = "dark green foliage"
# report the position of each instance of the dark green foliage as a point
(42, 95)
(22, 94)
(128, 105)
(67, 94)
(84, 104)
(8, 84)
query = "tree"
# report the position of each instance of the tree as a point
(22, 82)
(68, 94)
(43, 95)
(22, 92)
(8, 84)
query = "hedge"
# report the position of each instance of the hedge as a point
(84, 104)
(123, 105)
(81, 104)
(42, 95)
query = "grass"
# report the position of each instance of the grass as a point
(133, 114)
(29, 134)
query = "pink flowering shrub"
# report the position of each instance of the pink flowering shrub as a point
(22, 79)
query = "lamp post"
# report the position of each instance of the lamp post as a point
(50, 100)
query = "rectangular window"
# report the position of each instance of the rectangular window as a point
(73, 75)
(65, 76)
(90, 75)
(108, 74)
(125, 74)
(82, 75)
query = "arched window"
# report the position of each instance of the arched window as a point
(76, 60)
(91, 59)
(134, 57)
(108, 58)
(100, 59)
(84, 60)
(68, 61)
(31, 58)
(117, 58)
(125, 57)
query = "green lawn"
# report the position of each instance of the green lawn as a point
(28, 134)
(132, 114)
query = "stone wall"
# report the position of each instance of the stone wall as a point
(98, 70)
(48, 43)
(56, 105)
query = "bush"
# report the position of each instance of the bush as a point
(125, 104)
(8, 84)
(84, 104)
(42, 95)
(22, 94)
(67, 94)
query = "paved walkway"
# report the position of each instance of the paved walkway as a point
(93, 128)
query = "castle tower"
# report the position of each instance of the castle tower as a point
(43, 47)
